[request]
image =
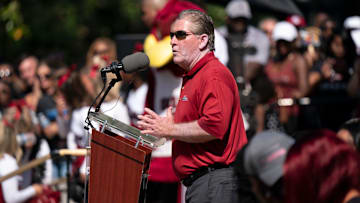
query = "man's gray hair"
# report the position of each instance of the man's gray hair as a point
(202, 24)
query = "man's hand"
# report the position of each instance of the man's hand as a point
(38, 188)
(155, 125)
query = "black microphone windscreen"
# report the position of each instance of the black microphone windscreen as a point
(135, 62)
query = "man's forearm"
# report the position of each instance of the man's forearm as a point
(190, 132)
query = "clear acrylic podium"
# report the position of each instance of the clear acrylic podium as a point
(119, 163)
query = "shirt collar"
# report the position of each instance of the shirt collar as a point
(201, 63)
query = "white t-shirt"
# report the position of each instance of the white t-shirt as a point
(116, 109)
(136, 102)
(10, 186)
(136, 99)
(254, 38)
(43, 151)
(221, 49)
(77, 135)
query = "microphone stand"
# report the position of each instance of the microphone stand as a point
(87, 120)
(111, 84)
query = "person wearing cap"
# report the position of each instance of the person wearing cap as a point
(351, 24)
(248, 46)
(249, 50)
(263, 159)
(301, 43)
(288, 72)
(207, 128)
(354, 83)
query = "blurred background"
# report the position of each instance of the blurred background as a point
(67, 27)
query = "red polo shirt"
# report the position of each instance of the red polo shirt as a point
(209, 95)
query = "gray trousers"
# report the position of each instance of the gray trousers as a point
(220, 186)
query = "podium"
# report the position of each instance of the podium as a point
(119, 162)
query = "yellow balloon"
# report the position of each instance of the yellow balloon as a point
(159, 52)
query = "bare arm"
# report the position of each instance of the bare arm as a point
(301, 71)
(252, 70)
(158, 126)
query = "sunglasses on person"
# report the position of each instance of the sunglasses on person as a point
(181, 34)
(46, 76)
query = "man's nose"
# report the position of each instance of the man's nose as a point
(173, 41)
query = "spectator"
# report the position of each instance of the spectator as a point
(32, 144)
(288, 72)
(350, 132)
(27, 71)
(5, 97)
(323, 26)
(322, 168)
(9, 189)
(320, 18)
(101, 53)
(248, 46)
(267, 26)
(47, 114)
(17, 85)
(354, 84)
(248, 53)
(328, 84)
(351, 23)
(300, 24)
(263, 161)
(78, 100)
(328, 28)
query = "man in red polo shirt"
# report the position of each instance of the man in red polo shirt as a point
(207, 129)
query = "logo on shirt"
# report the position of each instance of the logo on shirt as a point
(184, 98)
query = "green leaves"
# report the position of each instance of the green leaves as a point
(13, 21)
(41, 27)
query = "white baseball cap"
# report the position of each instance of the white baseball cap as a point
(352, 22)
(284, 31)
(238, 8)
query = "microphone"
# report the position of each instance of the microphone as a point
(131, 63)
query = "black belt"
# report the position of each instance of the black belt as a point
(200, 172)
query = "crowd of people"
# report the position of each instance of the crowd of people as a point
(295, 93)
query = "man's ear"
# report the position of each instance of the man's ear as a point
(204, 40)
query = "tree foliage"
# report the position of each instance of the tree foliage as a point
(41, 27)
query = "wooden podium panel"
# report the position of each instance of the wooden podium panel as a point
(116, 169)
